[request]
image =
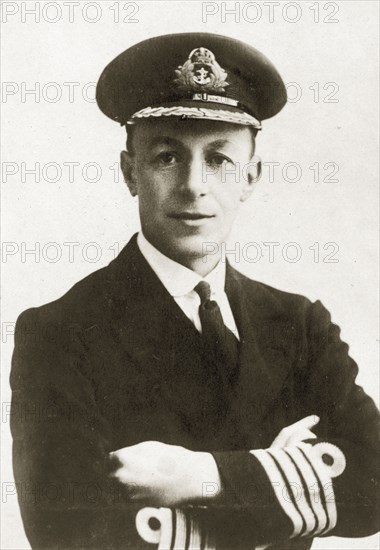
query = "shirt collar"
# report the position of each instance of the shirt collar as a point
(176, 278)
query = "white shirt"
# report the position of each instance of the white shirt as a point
(180, 281)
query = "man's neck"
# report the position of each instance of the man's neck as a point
(202, 265)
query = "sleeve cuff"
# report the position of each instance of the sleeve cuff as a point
(289, 491)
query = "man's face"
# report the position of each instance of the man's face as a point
(190, 177)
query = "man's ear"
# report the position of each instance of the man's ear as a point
(127, 165)
(251, 175)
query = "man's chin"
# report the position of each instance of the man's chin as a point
(193, 247)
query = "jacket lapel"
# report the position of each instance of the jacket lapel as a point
(158, 337)
(266, 351)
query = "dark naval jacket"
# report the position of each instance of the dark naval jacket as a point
(116, 362)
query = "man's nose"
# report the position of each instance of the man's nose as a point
(193, 179)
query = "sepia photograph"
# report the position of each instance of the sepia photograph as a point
(190, 267)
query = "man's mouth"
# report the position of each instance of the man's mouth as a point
(190, 215)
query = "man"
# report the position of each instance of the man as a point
(168, 379)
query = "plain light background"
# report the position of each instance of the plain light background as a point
(339, 59)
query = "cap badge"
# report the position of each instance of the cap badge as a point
(201, 72)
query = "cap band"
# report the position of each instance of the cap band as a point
(197, 113)
(215, 99)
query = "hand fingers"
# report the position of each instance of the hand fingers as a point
(114, 462)
(300, 436)
(288, 436)
(306, 423)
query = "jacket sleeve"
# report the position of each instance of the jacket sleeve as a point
(61, 443)
(330, 488)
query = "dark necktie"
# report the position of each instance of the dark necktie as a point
(221, 345)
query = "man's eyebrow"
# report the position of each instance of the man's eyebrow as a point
(164, 140)
(167, 140)
(219, 143)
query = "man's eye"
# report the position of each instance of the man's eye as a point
(166, 159)
(219, 160)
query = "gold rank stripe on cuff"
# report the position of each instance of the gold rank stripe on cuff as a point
(278, 485)
(197, 113)
(302, 484)
(178, 529)
(297, 488)
(313, 486)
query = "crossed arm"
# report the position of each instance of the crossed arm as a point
(70, 452)
(169, 475)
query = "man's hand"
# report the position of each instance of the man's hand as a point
(297, 432)
(169, 475)
(165, 475)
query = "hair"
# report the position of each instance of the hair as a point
(131, 130)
